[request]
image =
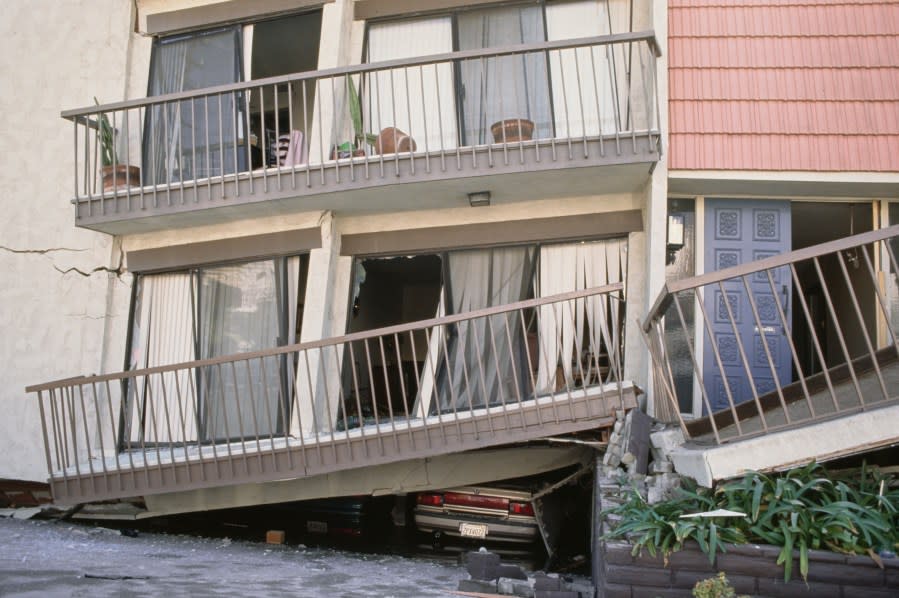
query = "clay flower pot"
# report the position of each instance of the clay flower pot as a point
(392, 140)
(120, 176)
(512, 129)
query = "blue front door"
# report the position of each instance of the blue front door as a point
(738, 232)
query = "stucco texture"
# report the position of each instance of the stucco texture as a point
(57, 54)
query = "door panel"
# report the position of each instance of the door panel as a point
(739, 232)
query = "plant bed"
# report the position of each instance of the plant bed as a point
(838, 533)
(751, 569)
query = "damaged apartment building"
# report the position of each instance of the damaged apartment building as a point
(285, 249)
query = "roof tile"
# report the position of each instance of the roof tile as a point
(784, 84)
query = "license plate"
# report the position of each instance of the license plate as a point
(473, 530)
(317, 527)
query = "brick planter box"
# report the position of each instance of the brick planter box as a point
(750, 568)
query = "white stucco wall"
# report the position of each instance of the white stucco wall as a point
(57, 54)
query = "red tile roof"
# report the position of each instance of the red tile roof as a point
(808, 85)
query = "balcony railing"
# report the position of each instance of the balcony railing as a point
(786, 341)
(583, 102)
(495, 376)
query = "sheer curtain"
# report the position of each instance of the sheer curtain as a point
(484, 364)
(241, 311)
(163, 333)
(194, 138)
(568, 330)
(420, 101)
(585, 95)
(504, 87)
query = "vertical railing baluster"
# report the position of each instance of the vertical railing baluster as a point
(254, 407)
(401, 372)
(881, 300)
(341, 397)
(809, 321)
(861, 322)
(788, 333)
(420, 397)
(388, 397)
(272, 424)
(764, 342)
(374, 398)
(839, 330)
(358, 399)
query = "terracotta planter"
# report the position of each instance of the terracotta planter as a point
(512, 130)
(120, 176)
(392, 140)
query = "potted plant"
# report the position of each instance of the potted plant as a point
(356, 147)
(512, 130)
(114, 175)
(390, 140)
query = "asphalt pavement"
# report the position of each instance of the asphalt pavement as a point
(50, 558)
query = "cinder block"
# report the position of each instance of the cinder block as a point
(515, 587)
(778, 588)
(555, 594)
(510, 572)
(860, 592)
(275, 536)
(477, 585)
(483, 565)
(638, 575)
(616, 590)
(546, 582)
(868, 574)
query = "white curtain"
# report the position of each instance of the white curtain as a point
(164, 333)
(240, 312)
(585, 97)
(568, 330)
(420, 101)
(194, 138)
(484, 365)
(505, 87)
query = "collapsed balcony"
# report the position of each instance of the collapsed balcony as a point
(792, 357)
(374, 133)
(491, 377)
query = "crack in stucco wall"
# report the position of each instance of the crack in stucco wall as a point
(40, 251)
(118, 270)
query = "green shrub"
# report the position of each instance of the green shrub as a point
(714, 587)
(802, 510)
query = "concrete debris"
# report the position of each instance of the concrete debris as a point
(275, 536)
(21, 513)
(490, 576)
(620, 471)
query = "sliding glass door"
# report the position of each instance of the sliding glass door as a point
(493, 89)
(194, 139)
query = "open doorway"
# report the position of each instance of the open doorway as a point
(281, 46)
(387, 292)
(832, 314)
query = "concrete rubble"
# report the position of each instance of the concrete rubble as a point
(488, 575)
(618, 473)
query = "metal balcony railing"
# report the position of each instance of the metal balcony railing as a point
(781, 342)
(550, 105)
(489, 377)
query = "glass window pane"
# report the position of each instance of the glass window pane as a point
(505, 87)
(194, 138)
